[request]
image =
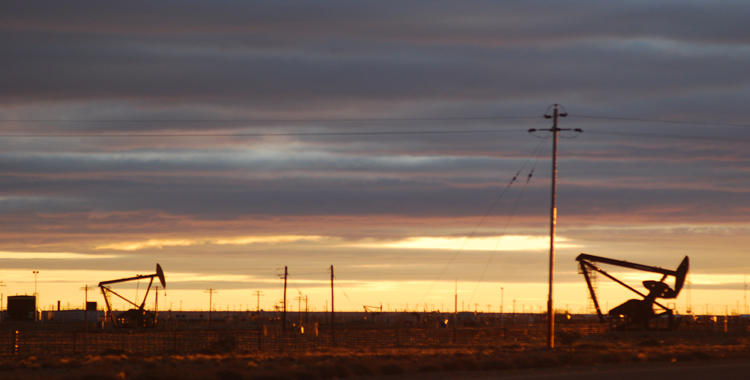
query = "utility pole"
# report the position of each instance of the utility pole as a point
(258, 293)
(211, 293)
(455, 313)
(36, 296)
(306, 315)
(86, 289)
(333, 316)
(156, 305)
(455, 298)
(2, 285)
(286, 275)
(299, 308)
(553, 217)
(502, 303)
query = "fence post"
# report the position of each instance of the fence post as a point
(15, 343)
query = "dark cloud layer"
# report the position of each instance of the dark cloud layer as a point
(242, 72)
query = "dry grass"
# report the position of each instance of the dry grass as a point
(347, 363)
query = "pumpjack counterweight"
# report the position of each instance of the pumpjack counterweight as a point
(635, 312)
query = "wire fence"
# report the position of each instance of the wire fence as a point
(182, 342)
(30, 343)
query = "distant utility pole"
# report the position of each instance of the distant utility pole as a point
(502, 303)
(211, 293)
(283, 325)
(455, 298)
(2, 285)
(299, 308)
(36, 296)
(455, 311)
(258, 293)
(86, 289)
(306, 315)
(156, 305)
(553, 216)
(333, 316)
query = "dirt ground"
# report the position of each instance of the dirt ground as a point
(608, 349)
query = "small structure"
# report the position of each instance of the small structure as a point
(74, 316)
(22, 308)
(138, 316)
(635, 312)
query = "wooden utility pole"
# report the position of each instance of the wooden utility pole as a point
(86, 289)
(299, 308)
(156, 305)
(283, 325)
(306, 315)
(2, 285)
(455, 314)
(333, 316)
(258, 293)
(211, 293)
(553, 217)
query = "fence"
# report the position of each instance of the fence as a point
(28, 343)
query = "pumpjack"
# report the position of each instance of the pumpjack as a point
(635, 312)
(138, 316)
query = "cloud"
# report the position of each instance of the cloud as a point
(229, 176)
(492, 243)
(6, 255)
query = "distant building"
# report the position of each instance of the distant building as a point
(71, 316)
(21, 308)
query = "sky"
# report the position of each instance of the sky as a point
(227, 140)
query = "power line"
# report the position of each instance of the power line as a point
(481, 221)
(507, 223)
(136, 135)
(661, 121)
(230, 121)
(354, 120)
(665, 136)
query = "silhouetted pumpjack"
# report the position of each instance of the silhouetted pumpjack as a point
(134, 317)
(636, 312)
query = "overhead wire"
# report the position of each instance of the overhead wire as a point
(486, 215)
(308, 120)
(665, 136)
(269, 134)
(683, 122)
(507, 223)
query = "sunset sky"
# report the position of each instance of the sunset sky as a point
(226, 140)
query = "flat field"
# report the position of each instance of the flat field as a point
(331, 363)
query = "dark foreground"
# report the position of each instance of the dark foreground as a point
(725, 370)
(634, 355)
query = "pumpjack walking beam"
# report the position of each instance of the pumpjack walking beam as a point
(587, 263)
(104, 286)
